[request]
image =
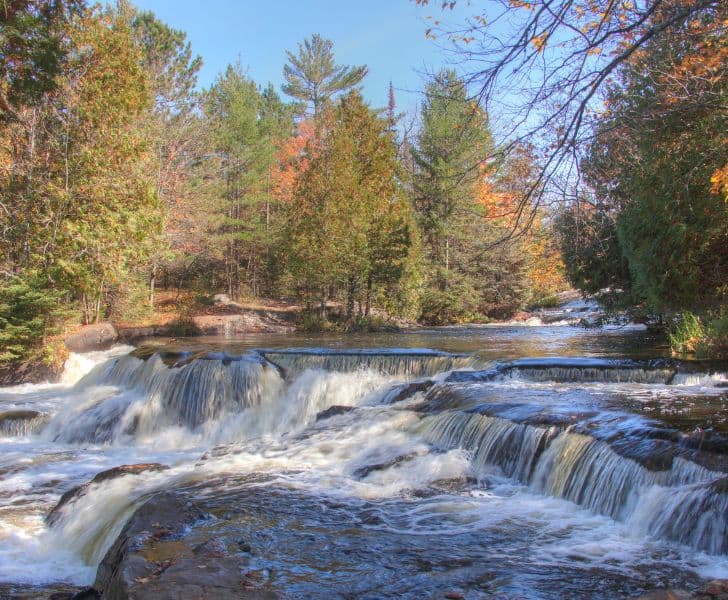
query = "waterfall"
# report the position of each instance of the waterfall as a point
(584, 370)
(511, 447)
(694, 515)
(129, 396)
(401, 363)
(686, 503)
(21, 422)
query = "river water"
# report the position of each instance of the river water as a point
(493, 462)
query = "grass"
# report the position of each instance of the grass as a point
(702, 337)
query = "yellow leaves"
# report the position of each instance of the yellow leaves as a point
(528, 5)
(719, 182)
(539, 42)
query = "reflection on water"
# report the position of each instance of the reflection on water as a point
(490, 342)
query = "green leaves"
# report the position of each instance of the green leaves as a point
(313, 77)
(349, 226)
(29, 312)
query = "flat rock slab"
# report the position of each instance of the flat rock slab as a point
(152, 559)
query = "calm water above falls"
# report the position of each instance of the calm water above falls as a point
(596, 468)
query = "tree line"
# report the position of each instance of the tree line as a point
(627, 102)
(119, 176)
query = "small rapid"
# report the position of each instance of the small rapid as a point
(395, 454)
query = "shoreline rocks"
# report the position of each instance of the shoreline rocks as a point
(99, 336)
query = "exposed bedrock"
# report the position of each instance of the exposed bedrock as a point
(154, 558)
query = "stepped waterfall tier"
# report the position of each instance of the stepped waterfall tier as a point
(309, 471)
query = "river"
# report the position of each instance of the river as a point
(506, 462)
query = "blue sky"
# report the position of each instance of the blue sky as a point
(386, 35)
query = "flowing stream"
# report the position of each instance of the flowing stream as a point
(529, 462)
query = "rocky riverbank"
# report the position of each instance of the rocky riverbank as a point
(160, 555)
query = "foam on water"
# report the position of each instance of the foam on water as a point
(558, 493)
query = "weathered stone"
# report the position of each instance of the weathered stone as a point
(19, 415)
(333, 411)
(113, 473)
(140, 566)
(99, 336)
(410, 390)
(666, 595)
(134, 334)
(87, 593)
(714, 590)
(363, 472)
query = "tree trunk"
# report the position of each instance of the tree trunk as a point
(350, 296)
(323, 304)
(152, 284)
(370, 285)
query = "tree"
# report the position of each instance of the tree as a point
(174, 130)
(349, 227)
(312, 76)
(658, 150)
(552, 62)
(80, 211)
(32, 50)
(246, 126)
(452, 144)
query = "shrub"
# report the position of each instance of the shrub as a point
(705, 337)
(29, 313)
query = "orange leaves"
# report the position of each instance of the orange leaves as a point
(528, 5)
(293, 160)
(539, 41)
(719, 182)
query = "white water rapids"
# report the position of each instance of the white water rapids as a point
(552, 491)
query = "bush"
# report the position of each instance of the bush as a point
(313, 323)
(183, 326)
(129, 302)
(546, 302)
(29, 313)
(705, 337)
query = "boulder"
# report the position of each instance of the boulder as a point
(714, 590)
(152, 560)
(99, 336)
(408, 390)
(333, 411)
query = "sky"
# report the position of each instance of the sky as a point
(386, 35)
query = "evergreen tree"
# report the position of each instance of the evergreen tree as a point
(313, 77)
(173, 129)
(654, 170)
(32, 50)
(349, 227)
(245, 125)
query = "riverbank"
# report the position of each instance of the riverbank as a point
(179, 316)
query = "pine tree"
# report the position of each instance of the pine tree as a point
(349, 227)
(313, 77)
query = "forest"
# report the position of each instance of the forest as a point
(121, 177)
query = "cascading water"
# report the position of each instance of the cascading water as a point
(401, 363)
(359, 458)
(591, 472)
(139, 397)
